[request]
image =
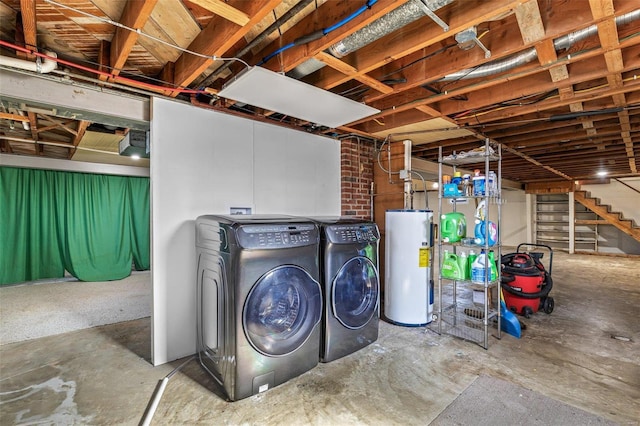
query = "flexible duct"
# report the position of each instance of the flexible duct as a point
(397, 18)
(35, 66)
(387, 24)
(561, 43)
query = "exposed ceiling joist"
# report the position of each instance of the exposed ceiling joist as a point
(560, 88)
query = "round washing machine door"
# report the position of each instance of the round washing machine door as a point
(282, 310)
(355, 292)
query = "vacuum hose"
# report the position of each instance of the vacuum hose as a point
(542, 293)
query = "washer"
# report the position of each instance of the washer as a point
(259, 301)
(351, 285)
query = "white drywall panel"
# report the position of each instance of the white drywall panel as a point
(296, 173)
(326, 154)
(620, 197)
(270, 157)
(200, 163)
(205, 162)
(514, 218)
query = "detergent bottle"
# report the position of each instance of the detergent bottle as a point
(493, 266)
(480, 230)
(453, 227)
(470, 259)
(478, 268)
(463, 264)
(450, 267)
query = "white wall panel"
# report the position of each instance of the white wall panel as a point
(201, 162)
(296, 173)
(326, 154)
(620, 197)
(270, 159)
(205, 162)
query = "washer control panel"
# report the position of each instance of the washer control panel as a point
(277, 235)
(352, 233)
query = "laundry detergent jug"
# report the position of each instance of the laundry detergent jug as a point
(453, 227)
(480, 232)
(450, 267)
(478, 267)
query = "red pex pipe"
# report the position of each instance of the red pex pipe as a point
(117, 78)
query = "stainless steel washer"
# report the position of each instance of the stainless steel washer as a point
(259, 301)
(351, 285)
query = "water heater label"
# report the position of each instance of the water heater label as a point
(423, 257)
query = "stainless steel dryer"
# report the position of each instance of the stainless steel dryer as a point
(259, 301)
(351, 285)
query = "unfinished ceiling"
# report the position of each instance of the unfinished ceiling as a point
(553, 81)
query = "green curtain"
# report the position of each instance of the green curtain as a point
(94, 226)
(140, 209)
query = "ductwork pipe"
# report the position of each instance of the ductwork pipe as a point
(397, 18)
(561, 43)
(25, 124)
(35, 66)
(392, 21)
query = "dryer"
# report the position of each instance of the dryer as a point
(350, 283)
(259, 301)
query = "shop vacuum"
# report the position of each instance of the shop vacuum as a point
(525, 281)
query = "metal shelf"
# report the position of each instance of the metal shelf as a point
(474, 159)
(466, 322)
(459, 314)
(559, 229)
(488, 283)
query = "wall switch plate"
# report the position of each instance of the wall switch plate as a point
(240, 210)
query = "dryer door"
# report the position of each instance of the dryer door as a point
(355, 292)
(282, 310)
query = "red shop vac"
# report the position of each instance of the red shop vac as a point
(526, 282)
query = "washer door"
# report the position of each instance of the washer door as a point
(282, 310)
(355, 292)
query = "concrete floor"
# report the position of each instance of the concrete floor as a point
(40, 309)
(585, 354)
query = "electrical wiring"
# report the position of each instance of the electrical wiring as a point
(402, 68)
(509, 103)
(555, 95)
(317, 34)
(513, 76)
(137, 31)
(122, 73)
(128, 81)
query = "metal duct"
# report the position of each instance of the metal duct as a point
(397, 18)
(309, 66)
(514, 61)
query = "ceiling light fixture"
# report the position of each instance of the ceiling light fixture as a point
(602, 173)
(266, 89)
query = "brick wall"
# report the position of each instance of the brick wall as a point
(356, 160)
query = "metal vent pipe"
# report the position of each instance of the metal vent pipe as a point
(397, 18)
(561, 43)
(392, 21)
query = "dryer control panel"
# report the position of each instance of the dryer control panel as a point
(272, 236)
(352, 233)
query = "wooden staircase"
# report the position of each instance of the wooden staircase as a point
(627, 226)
